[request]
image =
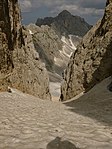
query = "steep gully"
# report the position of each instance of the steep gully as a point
(28, 122)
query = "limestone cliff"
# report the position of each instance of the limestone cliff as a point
(92, 61)
(20, 66)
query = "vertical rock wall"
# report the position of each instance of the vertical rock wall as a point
(92, 61)
(20, 66)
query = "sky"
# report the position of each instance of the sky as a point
(90, 10)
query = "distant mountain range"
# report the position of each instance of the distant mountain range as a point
(65, 23)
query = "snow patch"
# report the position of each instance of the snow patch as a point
(57, 61)
(72, 44)
(63, 39)
(68, 45)
(64, 53)
(31, 33)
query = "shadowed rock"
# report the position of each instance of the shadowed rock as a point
(57, 143)
(19, 66)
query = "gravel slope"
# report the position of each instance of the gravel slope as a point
(30, 123)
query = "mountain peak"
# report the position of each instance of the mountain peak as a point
(64, 13)
(65, 23)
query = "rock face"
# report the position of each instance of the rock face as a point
(65, 23)
(20, 67)
(92, 61)
(53, 51)
(47, 44)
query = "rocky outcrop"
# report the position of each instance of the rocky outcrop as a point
(20, 66)
(92, 61)
(65, 23)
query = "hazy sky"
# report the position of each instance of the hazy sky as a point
(91, 10)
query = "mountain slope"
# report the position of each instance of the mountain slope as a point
(53, 51)
(92, 60)
(47, 44)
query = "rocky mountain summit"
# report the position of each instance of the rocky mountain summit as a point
(92, 60)
(20, 66)
(65, 23)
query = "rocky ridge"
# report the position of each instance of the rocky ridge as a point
(20, 66)
(65, 23)
(92, 60)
